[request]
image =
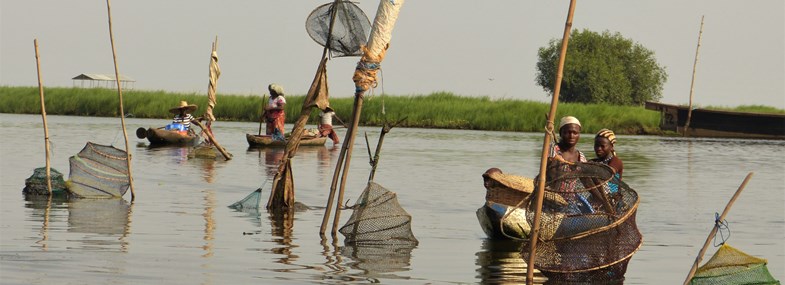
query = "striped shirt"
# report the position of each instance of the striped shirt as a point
(184, 120)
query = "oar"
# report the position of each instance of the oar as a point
(264, 102)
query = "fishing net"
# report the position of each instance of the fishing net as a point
(99, 171)
(350, 29)
(36, 183)
(732, 266)
(378, 219)
(591, 237)
(250, 202)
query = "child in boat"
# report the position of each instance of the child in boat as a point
(326, 126)
(182, 118)
(603, 148)
(274, 112)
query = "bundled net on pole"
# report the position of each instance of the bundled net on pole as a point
(732, 266)
(379, 219)
(99, 171)
(350, 29)
(591, 237)
(36, 183)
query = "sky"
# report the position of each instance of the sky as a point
(469, 48)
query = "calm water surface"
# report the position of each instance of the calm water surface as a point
(180, 230)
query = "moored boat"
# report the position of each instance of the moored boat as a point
(162, 137)
(268, 141)
(720, 124)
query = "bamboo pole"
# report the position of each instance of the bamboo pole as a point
(218, 146)
(692, 83)
(43, 117)
(120, 95)
(546, 146)
(261, 117)
(713, 232)
(364, 78)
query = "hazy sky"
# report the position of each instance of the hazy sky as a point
(471, 48)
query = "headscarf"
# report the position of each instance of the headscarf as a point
(275, 89)
(608, 134)
(569, 120)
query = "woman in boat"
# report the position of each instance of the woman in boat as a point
(604, 142)
(569, 132)
(326, 126)
(274, 112)
(182, 116)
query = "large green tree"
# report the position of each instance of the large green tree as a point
(602, 68)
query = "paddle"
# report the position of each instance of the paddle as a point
(261, 118)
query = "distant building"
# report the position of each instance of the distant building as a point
(102, 80)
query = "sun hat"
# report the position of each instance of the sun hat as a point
(183, 104)
(275, 89)
(569, 120)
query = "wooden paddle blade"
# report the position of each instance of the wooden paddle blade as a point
(141, 133)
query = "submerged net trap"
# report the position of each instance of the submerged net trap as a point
(378, 219)
(350, 29)
(99, 171)
(732, 266)
(593, 235)
(36, 183)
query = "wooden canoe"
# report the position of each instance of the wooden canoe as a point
(267, 141)
(161, 137)
(720, 124)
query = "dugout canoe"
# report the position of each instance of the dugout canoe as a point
(162, 137)
(720, 124)
(267, 141)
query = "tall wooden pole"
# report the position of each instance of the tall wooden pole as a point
(546, 146)
(43, 116)
(120, 95)
(364, 78)
(714, 229)
(692, 83)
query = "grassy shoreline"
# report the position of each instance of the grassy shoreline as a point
(436, 110)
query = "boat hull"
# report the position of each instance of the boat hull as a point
(720, 124)
(267, 141)
(161, 137)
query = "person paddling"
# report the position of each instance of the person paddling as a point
(570, 133)
(326, 126)
(274, 112)
(182, 119)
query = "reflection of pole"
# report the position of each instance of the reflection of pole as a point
(43, 116)
(692, 83)
(714, 229)
(120, 95)
(546, 146)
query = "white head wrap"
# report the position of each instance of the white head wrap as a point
(275, 89)
(569, 120)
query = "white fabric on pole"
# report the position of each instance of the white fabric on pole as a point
(383, 24)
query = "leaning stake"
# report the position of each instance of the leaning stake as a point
(120, 95)
(546, 146)
(714, 229)
(43, 116)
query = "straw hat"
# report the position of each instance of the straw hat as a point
(183, 104)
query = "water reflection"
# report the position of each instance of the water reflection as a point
(500, 262)
(281, 229)
(384, 261)
(42, 211)
(108, 220)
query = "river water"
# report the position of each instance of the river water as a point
(180, 230)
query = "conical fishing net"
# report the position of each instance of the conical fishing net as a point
(378, 219)
(732, 266)
(350, 29)
(593, 235)
(250, 202)
(36, 183)
(99, 171)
